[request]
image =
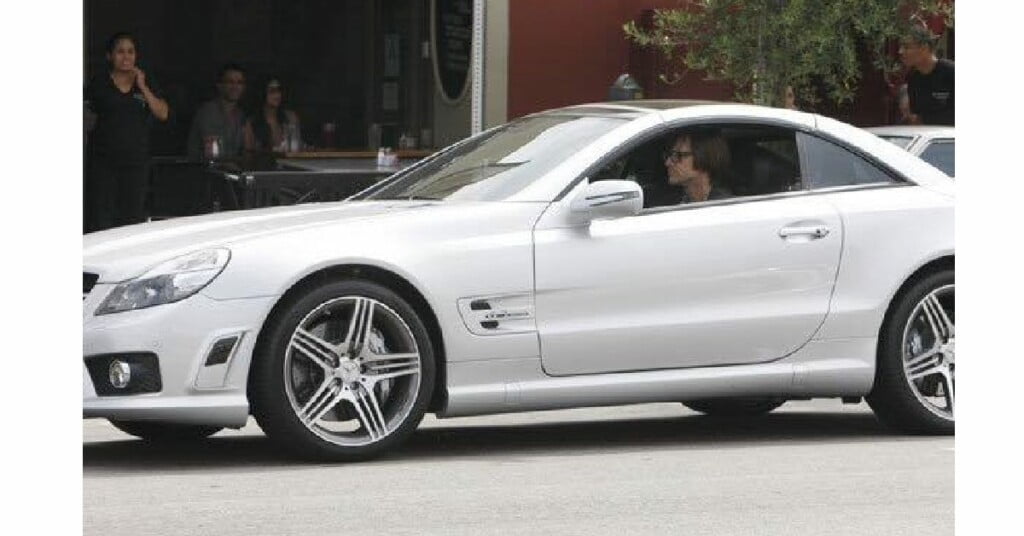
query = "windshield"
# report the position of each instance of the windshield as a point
(900, 141)
(498, 163)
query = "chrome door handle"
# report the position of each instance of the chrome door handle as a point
(812, 231)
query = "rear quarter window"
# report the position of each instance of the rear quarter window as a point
(828, 165)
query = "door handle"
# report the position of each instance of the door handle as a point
(811, 231)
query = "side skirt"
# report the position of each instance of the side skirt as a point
(827, 368)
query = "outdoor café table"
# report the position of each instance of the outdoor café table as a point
(317, 176)
(183, 187)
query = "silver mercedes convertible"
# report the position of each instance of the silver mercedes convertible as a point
(728, 257)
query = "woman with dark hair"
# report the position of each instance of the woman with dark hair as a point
(124, 102)
(270, 124)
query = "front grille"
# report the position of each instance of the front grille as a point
(88, 281)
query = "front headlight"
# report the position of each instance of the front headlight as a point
(172, 281)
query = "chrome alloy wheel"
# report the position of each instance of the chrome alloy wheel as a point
(352, 370)
(929, 351)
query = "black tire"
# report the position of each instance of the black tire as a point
(735, 407)
(892, 398)
(270, 402)
(160, 432)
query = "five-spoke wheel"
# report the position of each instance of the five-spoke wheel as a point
(929, 351)
(914, 382)
(346, 371)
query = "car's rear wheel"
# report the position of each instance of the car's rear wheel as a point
(165, 432)
(735, 407)
(345, 371)
(914, 380)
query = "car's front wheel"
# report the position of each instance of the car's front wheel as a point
(735, 407)
(914, 386)
(345, 371)
(161, 432)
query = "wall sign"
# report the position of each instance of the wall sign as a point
(451, 32)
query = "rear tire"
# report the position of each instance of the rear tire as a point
(735, 407)
(916, 355)
(161, 432)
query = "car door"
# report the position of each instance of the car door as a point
(736, 281)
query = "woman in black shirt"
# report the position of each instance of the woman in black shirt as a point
(117, 154)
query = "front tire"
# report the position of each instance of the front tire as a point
(735, 407)
(914, 379)
(345, 372)
(161, 432)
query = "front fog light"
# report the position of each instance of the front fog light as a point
(124, 374)
(120, 374)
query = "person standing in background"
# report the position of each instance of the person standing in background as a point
(270, 124)
(789, 98)
(930, 82)
(124, 102)
(220, 119)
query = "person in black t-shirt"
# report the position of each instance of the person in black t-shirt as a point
(124, 102)
(930, 82)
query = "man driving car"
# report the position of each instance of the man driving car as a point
(697, 162)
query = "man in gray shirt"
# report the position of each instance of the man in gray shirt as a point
(220, 117)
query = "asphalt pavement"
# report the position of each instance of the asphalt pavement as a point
(813, 467)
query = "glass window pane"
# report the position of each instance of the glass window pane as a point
(941, 155)
(499, 163)
(829, 165)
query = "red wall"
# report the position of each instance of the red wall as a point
(564, 52)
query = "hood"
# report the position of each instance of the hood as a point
(126, 252)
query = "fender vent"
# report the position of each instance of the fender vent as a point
(498, 315)
(479, 305)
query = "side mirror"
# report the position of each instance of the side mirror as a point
(608, 199)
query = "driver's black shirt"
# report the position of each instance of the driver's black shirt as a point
(716, 193)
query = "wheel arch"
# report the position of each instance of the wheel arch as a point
(385, 278)
(945, 262)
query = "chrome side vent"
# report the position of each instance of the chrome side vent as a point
(498, 315)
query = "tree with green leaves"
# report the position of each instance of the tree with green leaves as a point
(763, 46)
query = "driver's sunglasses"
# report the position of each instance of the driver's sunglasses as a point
(676, 156)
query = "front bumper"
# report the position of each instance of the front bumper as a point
(181, 335)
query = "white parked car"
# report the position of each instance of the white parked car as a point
(934, 144)
(546, 263)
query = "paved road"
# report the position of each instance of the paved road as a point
(813, 468)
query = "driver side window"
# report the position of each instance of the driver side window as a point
(709, 163)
